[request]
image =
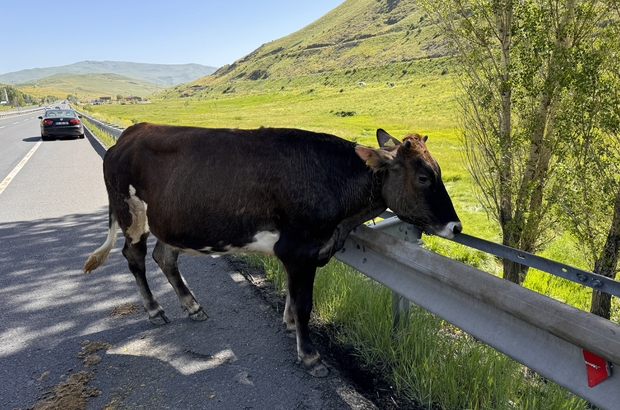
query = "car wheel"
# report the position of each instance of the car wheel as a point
(81, 136)
(44, 138)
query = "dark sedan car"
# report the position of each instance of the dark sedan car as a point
(61, 123)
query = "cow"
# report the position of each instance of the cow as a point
(291, 193)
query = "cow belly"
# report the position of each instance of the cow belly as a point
(262, 242)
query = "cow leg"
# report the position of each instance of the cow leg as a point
(135, 254)
(167, 259)
(300, 281)
(289, 318)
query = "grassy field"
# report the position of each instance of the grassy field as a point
(429, 361)
(88, 86)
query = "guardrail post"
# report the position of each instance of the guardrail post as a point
(408, 233)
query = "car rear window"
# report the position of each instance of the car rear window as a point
(59, 114)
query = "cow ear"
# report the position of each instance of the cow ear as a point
(385, 139)
(376, 159)
(425, 138)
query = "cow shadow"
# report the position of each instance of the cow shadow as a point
(239, 358)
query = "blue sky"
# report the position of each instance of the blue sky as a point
(36, 33)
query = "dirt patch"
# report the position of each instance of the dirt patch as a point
(70, 394)
(126, 309)
(89, 350)
(73, 393)
(368, 380)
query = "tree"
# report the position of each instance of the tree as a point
(591, 171)
(517, 61)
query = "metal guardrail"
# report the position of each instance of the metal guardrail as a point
(113, 130)
(583, 277)
(20, 112)
(541, 333)
(586, 278)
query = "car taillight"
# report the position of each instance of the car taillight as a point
(48, 122)
(74, 121)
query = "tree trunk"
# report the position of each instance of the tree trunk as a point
(514, 272)
(607, 263)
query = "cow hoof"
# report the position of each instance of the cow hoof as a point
(159, 319)
(292, 333)
(319, 370)
(199, 316)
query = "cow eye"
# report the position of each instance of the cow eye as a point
(423, 179)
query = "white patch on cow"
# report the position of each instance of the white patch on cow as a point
(262, 242)
(139, 221)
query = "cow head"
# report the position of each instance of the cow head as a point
(412, 186)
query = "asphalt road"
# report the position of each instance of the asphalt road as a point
(53, 214)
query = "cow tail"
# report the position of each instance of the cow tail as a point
(101, 254)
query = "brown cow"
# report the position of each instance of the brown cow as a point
(286, 192)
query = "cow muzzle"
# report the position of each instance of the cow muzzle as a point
(450, 230)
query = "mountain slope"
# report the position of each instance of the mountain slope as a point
(358, 33)
(164, 74)
(88, 86)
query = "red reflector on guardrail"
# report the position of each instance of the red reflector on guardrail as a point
(598, 369)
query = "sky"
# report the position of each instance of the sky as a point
(36, 34)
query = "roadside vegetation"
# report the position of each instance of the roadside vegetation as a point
(15, 98)
(104, 137)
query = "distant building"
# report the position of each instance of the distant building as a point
(104, 99)
(133, 98)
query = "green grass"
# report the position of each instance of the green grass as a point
(104, 137)
(429, 361)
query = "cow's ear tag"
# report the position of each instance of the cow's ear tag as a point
(598, 369)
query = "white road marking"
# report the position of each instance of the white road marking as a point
(16, 123)
(19, 166)
(3, 126)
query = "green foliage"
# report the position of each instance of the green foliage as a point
(16, 97)
(590, 167)
(520, 66)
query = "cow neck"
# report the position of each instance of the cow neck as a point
(376, 207)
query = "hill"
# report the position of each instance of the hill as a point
(358, 33)
(88, 86)
(163, 74)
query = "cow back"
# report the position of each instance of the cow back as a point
(209, 186)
